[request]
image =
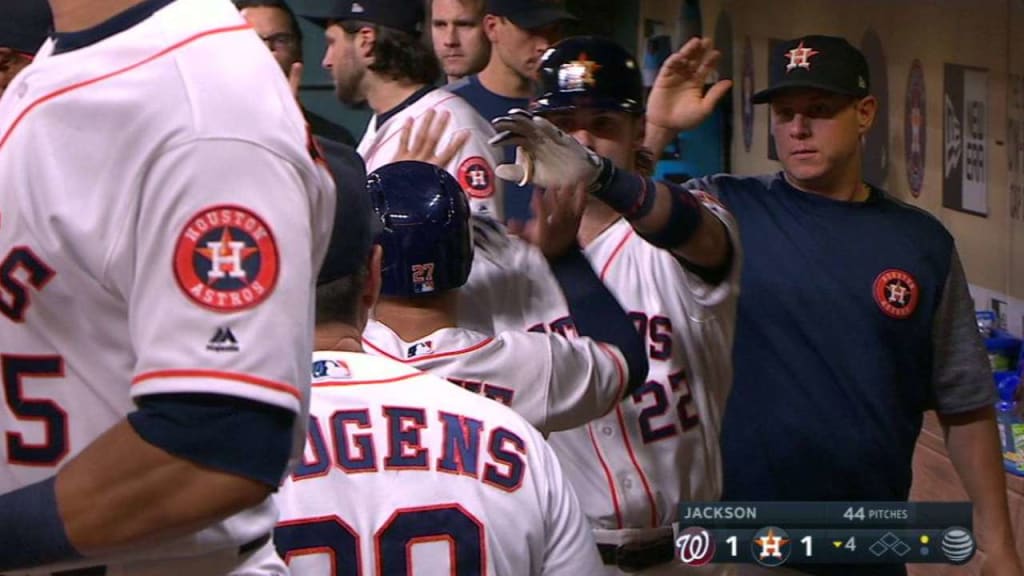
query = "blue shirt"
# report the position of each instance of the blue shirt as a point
(490, 106)
(853, 320)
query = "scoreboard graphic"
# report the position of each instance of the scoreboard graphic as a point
(792, 533)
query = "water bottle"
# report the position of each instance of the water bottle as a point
(1011, 425)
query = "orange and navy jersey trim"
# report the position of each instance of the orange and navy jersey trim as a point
(198, 374)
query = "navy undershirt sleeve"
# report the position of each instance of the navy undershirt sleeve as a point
(598, 315)
(234, 435)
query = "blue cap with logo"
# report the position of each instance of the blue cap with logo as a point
(531, 14)
(824, 62)
(402, 15)
(25, 24)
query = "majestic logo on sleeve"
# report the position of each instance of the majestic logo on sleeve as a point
(476, 177)
(800, 57)
(226, 259)
(896, 293)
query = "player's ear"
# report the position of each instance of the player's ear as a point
(866, 109)
(490, 24)
(365, 38)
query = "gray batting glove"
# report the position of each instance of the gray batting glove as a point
(545, 156)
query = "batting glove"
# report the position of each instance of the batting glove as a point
(545, 156)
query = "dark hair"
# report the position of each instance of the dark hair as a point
(397, 54)
(337, 302)
(280, 5)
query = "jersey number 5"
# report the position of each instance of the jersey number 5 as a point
(449, 524)
(18, 271)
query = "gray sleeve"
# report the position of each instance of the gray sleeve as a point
(961, 374)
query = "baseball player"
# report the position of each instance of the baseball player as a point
(671, 258)
(405, 473)
(427, 258)
(162, 224)
(460, 44)
(23, 30)
(375, 56)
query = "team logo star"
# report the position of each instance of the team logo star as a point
(226, 256)
(800, 57)
(578, 74)
(771, 545)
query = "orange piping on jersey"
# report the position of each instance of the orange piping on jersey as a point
(373, 149)
(615, 253)
(146, 60)
(632, 456)
(607, 475)
(622, 374)
(219, 375)
(466, 350)
(341, 382)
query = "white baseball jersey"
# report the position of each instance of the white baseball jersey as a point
(162, 224)
(660, 446)
(473, 166)
(510, 285)
(407, 473)
(552, 381)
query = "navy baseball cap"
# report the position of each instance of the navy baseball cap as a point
(825, 62)
(402, 15)
(356, 225)
(531, 14)
(25, 24)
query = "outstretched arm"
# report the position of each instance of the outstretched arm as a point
(664, 214)
(595, 311)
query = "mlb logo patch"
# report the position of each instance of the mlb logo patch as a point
(334, 369)
(419, 349)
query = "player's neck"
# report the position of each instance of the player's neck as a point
(416, 318)
(503, 81)
(384, 94)
(337, 337)
(597, 217)
(845, 187)
(76, 15)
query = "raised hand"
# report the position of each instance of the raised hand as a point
(677, 101)
(425, 146)
(557, 215)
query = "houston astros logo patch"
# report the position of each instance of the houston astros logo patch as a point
(226, 259)
(896, 293)
(476, 177)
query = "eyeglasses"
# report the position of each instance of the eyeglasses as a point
(281, 41)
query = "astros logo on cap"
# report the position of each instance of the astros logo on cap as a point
(577, 74)
(800, 57)
(896, 293)
(226, 259)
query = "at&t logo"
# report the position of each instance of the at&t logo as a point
(696, 546)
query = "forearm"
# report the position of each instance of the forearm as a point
(666, 215)
(707, 246)
(972, 441)
(657, 138)
(121, 491)
(598, 315)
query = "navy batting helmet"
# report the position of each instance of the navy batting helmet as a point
(589, 72)
(426, 236)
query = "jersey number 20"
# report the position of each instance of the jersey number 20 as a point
(393, 542)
